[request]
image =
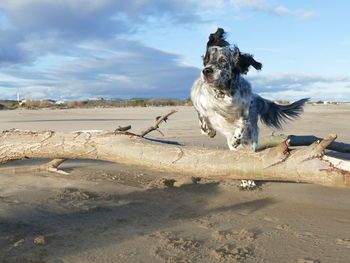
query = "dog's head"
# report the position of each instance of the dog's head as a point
(222, 65)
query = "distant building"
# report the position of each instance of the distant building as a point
(96, 99)
(100, 99)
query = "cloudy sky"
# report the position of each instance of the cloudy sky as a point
(76, 49)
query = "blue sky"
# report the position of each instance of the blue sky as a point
(76, 49)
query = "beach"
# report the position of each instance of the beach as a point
(107, 212)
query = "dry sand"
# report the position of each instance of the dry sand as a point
(104, 212)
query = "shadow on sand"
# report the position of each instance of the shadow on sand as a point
(75, 223)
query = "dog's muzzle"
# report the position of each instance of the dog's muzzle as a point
(208, 75)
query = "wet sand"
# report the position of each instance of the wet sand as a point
(106, 212)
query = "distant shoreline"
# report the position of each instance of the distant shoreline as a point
(51, 104)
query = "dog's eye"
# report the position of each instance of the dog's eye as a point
(222, 60)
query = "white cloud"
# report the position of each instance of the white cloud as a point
(265, 6)
(78, 48)
(135, 70)
(216, 4)
(46, 26)
(293, 86)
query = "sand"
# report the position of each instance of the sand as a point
(105, 212)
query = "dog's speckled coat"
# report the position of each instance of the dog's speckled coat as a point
(224, 99)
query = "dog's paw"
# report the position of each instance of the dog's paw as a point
(211, 133)
(247, 185)
(206, 131)
(235, 143)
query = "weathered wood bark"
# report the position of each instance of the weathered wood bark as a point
(279, 163)
(52, 166)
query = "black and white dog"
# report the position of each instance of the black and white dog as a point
(224, 99)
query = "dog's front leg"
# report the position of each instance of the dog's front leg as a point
(206, 127)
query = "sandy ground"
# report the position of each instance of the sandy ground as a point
(105, 212)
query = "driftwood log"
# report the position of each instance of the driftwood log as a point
(308, 164)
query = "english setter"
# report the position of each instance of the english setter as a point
(225, 102)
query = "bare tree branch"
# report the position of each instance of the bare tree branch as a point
(159, 120)
(52, 166)
(273, 140)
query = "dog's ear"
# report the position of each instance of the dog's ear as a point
(215, 39)
(242, 62)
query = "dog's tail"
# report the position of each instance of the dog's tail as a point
(272, 114)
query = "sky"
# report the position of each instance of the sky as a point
(77, 49)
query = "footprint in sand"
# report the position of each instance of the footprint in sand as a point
(232, 253)
(172, 248)
(242, 235)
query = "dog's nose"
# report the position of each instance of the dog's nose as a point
(207, 71)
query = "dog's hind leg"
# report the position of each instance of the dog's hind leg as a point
(244, 136)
